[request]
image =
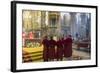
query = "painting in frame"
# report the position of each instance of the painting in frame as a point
(48, 36)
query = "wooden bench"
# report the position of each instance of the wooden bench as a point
(84, 44)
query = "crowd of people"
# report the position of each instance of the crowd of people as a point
(56, 50)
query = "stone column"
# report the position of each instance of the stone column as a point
(73, 27)
(83, 25)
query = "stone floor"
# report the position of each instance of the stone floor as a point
(78, 54)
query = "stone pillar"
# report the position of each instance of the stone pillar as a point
(73, 27)
(46, 19)
(83, 25)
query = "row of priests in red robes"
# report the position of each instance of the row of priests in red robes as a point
(57, 49)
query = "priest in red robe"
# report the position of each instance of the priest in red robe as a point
(52, 44)
(45, 43)
(68, 47)
(59, 50)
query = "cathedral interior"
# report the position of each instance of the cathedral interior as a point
(37, 24)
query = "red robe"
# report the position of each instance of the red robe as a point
(68, 47)
(59, 52)
(45, 49)
(52, 45)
